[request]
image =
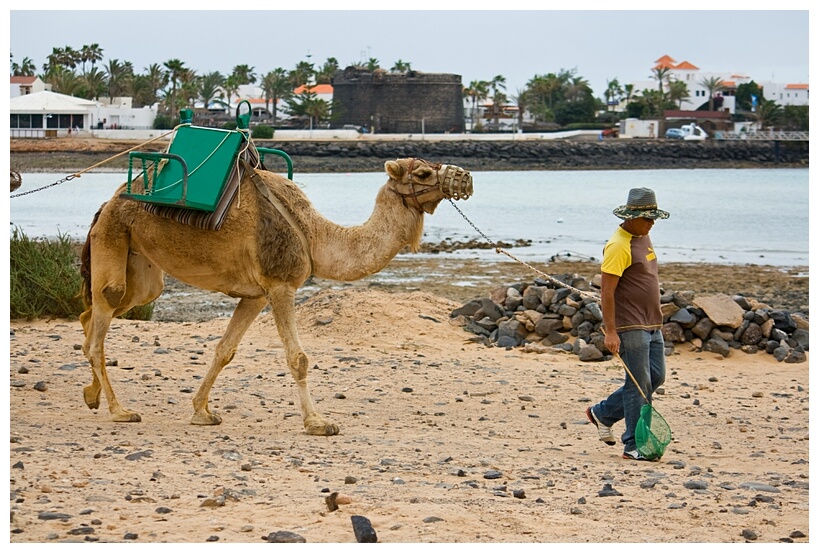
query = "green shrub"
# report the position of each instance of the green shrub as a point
(44, 278)
(262, 132)
(45, 281)
(163, 122)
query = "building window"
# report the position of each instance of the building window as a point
(26, 121)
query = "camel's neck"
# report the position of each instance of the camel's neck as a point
(351, 253)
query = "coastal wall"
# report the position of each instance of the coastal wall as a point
(582, 152)
(557, 154)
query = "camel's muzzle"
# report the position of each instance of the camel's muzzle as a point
(456, 183)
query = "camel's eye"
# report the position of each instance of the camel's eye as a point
(422, 173)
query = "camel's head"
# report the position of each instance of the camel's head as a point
(423, 184)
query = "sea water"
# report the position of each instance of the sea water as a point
(726, 216)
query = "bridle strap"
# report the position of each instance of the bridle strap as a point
(270, 197)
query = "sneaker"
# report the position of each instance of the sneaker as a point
(636, 456)
(603, 431)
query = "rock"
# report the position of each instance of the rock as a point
(673, 332)
(684, 318)
(795, 356)
(783, 321)
(717, 345)
(703, 328)
(363, 530)
(752, 335)
(283, 536)
(590, 353)
(721, 309)
(608, 491)
(802, 338)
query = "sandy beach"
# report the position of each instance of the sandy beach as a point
(443, 440)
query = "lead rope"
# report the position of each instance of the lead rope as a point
(498, 249)
(78, 175)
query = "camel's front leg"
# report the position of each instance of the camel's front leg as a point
(95, 322)
(243, 316)
(282, 304)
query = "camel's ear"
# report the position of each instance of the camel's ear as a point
(394, 170)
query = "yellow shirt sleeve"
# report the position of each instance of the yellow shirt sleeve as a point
(617, 253)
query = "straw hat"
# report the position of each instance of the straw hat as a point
(641, 203)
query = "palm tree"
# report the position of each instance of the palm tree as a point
(71, 57)
(497, 84)
(327, 71)
(303, 74)
(94, 83)
(142, 91)
(64, 81)
(57, 59)
(231, 87)
(660, 73)
(678, 92)
(521, 99)
(613, 92)
(577, 89)
(156, 78)
(188, 88)
(477, 91)
(244, 74)
(629, 92)
(373, 64)
(209, 87)
(92, 54)
(712, 85)
(176, 68)
(118, 77)
(768, 113)
(401, 66)
(654, 102)
(276, 86)
(25, 69)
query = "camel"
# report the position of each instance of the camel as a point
(262, 254)
(16, 180)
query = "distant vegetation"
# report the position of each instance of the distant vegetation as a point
(554, 99)
(45, 281)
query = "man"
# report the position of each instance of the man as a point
(632, 319)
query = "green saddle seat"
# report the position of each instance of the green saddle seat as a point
(192, 174)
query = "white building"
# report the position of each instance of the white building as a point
(792, 94)
(49, 114)
(21, 86)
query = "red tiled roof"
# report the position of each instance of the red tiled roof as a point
(728, 84)
(665, 61)
(686, 65)
(797, 87)
(23, 80)
(317, 89)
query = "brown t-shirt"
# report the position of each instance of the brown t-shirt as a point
(637, 296)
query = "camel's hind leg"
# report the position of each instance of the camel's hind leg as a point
(119, 280)
(243, 316)
(282, 304)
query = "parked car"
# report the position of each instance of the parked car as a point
(675, 133)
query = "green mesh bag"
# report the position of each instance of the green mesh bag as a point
(652, 433)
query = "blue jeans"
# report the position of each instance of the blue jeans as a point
(643, 352)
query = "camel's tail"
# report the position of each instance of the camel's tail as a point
(85, 262)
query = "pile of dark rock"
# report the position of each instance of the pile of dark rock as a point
(564, 312)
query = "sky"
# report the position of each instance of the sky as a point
(596, 42)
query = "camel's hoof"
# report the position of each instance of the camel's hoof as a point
(322, 429)
(206, 419)
(127, 416)
(91, 396)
